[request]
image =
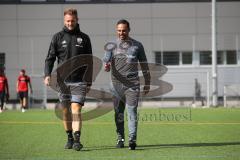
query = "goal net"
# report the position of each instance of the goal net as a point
(232, 95)
(38, 98)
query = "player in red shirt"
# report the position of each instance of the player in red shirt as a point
(22, 89)
(4, 91)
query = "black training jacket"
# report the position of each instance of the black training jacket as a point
(64, 46)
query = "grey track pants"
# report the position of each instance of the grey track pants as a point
(125, 97)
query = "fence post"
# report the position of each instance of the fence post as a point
(208, 90)
(225, 96)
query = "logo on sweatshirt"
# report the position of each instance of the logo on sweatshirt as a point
(79, 41)
(64, 43)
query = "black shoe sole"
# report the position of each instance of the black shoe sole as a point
(132, 148)
(67, 147)
(117, 146)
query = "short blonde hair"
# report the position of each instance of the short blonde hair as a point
(71, 11)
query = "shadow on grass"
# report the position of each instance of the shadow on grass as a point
(161, 146)
(158, 146)
(94, 148)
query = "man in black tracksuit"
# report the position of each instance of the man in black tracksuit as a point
(65, 45)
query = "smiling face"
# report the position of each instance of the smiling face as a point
(122, 31)
(70, 21)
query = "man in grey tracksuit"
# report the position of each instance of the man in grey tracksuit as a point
(122, 57)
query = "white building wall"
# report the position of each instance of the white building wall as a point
(26, 31)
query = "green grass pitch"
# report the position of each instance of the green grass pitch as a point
(167, 134)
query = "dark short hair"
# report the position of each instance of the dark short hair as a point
(124, 21)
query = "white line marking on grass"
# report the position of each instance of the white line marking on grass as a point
(192, 123)
(111, 123)
(27, 122)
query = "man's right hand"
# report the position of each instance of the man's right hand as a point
(47, 80)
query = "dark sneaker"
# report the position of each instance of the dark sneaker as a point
(132, 145)
(77, 146)
(69, 144)
(120, 143)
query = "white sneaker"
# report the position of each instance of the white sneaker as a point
(1, 110)
(23, 110)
